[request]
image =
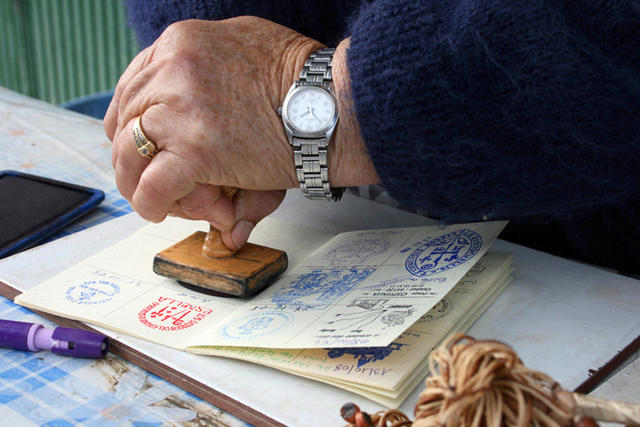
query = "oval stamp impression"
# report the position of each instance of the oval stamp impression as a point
(168, 314)
(92, 292)
(256, 325)
(443, 253)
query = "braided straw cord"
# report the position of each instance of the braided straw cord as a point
(485, 384)
(607, 410)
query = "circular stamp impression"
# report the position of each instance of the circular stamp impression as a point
(168, 314)
(441, 308)
(256, 325)
(357, 251)
(92, 292)
(443, 253)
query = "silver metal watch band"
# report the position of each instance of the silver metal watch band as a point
(317, 68)
(310, 154)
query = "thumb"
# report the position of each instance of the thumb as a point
(251, 206)
(209, 203)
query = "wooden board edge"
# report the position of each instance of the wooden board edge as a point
(600, 375)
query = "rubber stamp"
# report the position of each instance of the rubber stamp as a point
(202, 262)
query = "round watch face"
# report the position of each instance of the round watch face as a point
(310, 109)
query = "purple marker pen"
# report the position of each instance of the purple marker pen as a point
(70, 342)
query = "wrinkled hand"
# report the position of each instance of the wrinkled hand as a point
(208, 92)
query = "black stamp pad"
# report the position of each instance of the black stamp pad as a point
(33, 208)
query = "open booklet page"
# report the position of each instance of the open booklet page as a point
(322, 301)
(388, 374)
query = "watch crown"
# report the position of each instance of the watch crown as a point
(279, 111)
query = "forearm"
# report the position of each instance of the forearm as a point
(349, 162)
(474, 110)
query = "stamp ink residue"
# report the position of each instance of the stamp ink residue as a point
(443, 253)
(371, 311)
(320, 288)
(168, 314)
(365, 355)
(357, 252)
(439, 310)
(256, 325)
(92, 292)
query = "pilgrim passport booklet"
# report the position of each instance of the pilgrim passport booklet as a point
(360, 310)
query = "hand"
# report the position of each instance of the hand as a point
(208, 92)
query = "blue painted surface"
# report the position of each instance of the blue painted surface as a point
(50, 390)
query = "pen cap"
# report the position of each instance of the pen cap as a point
(79, 343)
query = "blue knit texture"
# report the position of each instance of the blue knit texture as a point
(524, 110)
(484, 109)
(495, 109)
(324, 20)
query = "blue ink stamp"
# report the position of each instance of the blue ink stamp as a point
(320, 288)
(92, 292)
(365, 355)
(443, 253)
(256, 325)
(357, 252)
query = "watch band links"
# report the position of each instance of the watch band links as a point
(310, 158)
(310, 154)
(317, 68)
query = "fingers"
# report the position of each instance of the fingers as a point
(250, 208)
(127, 162)
(165, 184)
(209, 203)
(137, 64)
(165, 180)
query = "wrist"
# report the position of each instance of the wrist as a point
(348, 160)
(294, 57)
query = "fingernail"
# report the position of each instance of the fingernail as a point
(240, 232)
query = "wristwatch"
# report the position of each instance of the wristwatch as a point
(309, 113)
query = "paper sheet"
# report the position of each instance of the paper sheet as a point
(388, 374)
(360, 289)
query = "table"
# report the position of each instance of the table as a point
(562, 317)
(44, 388)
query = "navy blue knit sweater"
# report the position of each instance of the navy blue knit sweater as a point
(484, 109)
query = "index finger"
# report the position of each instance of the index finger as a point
(164, 181)
(137, 64)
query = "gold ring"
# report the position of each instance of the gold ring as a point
(146, 148)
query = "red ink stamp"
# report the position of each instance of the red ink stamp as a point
(168, 314)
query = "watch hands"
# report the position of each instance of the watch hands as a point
(310, 110)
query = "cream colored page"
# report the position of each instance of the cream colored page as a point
(394, 398)
(389, 370)
(390, 398)
(117, 288)
(361, 289)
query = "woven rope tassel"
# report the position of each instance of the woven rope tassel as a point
(485, 384)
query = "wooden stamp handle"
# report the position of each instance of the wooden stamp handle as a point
(213, 246)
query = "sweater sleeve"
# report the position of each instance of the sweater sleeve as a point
(482, 109)
(323, 20)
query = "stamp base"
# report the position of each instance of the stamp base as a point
(244, 274)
